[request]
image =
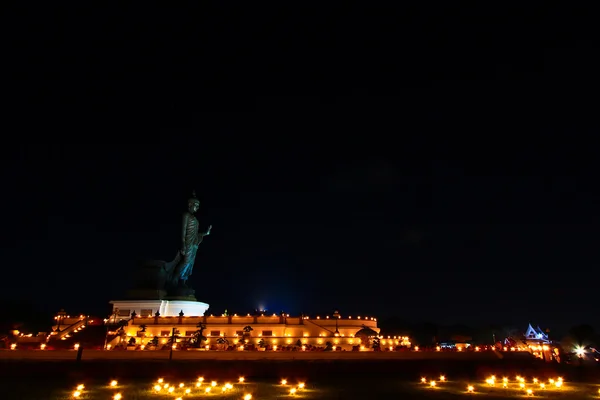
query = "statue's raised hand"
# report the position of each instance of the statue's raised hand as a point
(208, 230)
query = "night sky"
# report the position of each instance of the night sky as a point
(420, 164)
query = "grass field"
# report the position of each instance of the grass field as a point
(367, 388)
(367, 379)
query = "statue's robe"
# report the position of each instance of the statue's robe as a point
(193, 238)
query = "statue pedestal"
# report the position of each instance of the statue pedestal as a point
(181, 293)
(149, 294)
(166, 308)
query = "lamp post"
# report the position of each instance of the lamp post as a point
(336, 315)
(60, 316)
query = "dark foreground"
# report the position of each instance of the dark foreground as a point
(325, 379)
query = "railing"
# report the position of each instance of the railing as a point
(320, 326)
(237, 320)
(69, 329)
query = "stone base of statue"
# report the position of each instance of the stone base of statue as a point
(166, 308)
(150, 279)
(147, 294)
(181, 293)
(152, 292)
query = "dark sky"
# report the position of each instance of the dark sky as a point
(433, 164)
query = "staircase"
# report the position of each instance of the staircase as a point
(87, 336)
(69, 330)
(322, 327)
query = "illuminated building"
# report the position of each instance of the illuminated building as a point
(260, 331)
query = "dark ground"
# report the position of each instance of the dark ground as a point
(364, 379)
(410, 370)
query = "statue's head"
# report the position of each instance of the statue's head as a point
(193, 203)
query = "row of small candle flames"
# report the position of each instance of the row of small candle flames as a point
(491, 381)
(160, 386)
(80, 388)
(13, 346)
